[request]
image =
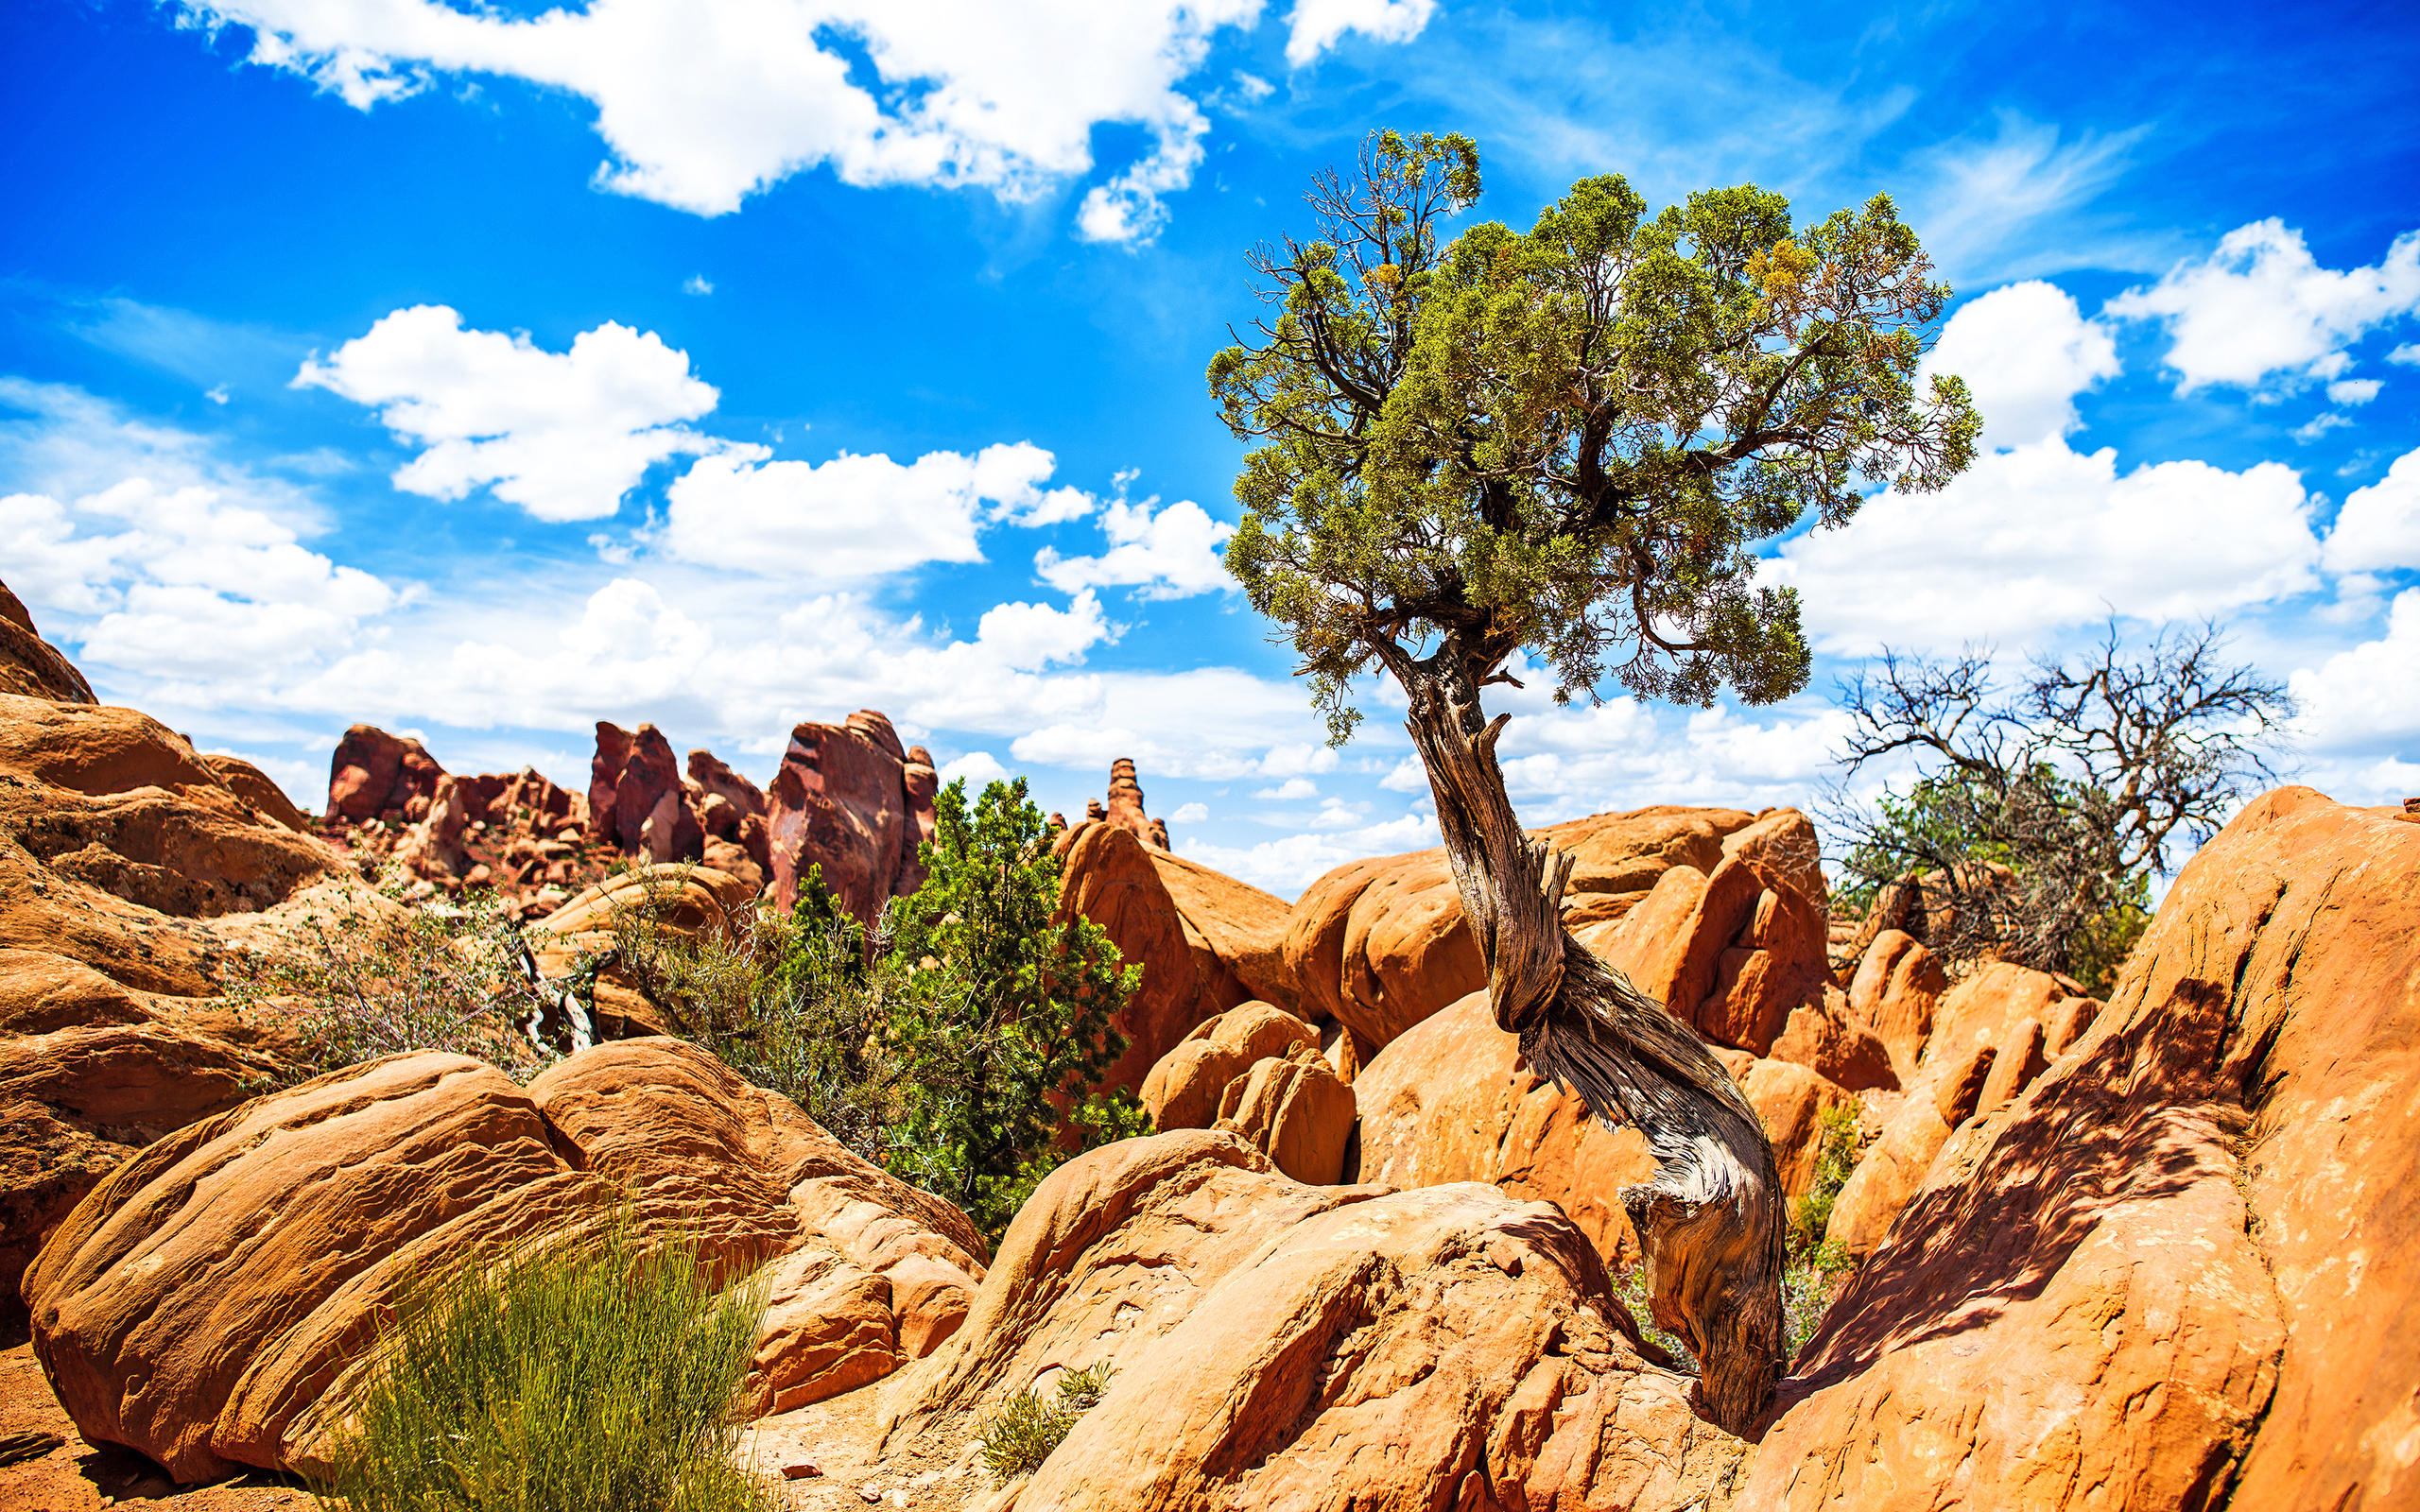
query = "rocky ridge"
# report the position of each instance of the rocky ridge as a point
(2144, 1253)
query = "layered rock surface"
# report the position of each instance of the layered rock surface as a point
(135, 871)
(1282, 1345)
(210, 1303)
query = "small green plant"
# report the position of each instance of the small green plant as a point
(595, 1374)
(1835, 1157)
(442, 976)
(1818, 1267)
(1023, 1433)
(794, 1003)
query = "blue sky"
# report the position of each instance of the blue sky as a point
(486, 373)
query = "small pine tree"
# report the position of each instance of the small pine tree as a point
(1003, 1013)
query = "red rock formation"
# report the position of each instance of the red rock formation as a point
(839, 801)
(1828, 1037)
(1897, 985)
(1255, 1071)
(604, 780)
(375, 774)
(1108, 876)
(716, 780)
(649, 816)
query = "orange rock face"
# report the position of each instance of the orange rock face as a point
(1282, 1345)
(309, 1209)
(2168, 1272)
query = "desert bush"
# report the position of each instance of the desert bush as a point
(351, 986)
(2040, 811)
(958, 1042)
(600, 1373)
(1022, 1435)
(796, 1003)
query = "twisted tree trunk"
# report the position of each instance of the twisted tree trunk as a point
(1710, 1224)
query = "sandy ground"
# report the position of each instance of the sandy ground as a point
(835, 1437)
(76, 1477)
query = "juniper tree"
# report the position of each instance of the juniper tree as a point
(1567, 443)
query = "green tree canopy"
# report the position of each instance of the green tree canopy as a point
(1572, 438)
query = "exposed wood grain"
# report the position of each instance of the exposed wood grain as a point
(1710, 1224)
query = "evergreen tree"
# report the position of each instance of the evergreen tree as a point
(1568, 441)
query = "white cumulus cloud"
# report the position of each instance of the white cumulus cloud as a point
(2026, 351)
(183, 584)
(1318, 24)
(856, 516)
(2260, 305)
(2366, 694)
(2043, 536)
(564, 435)
(2378, 528)
(1173, 554)
(705, 102)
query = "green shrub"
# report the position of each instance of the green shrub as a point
(597, 1374)
(793, 1003)
(1021, 1436)
(960, 1043)
(1004, 1012)
(353, 987)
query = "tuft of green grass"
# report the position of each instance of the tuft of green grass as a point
(1021, 1436)
(596, 1375)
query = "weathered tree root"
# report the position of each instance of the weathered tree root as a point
(1711, 1225)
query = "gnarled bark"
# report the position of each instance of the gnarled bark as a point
(1710, 1225)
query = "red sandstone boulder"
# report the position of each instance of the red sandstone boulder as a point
(1897, 985)
(30, 666)
(1827, 1038)
(1256, 1070)
(604, 781)
(1107, 875)
(209, 1302)
(839, 801)
(1296, 1110)
(375, 774)
(1283, 1345)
